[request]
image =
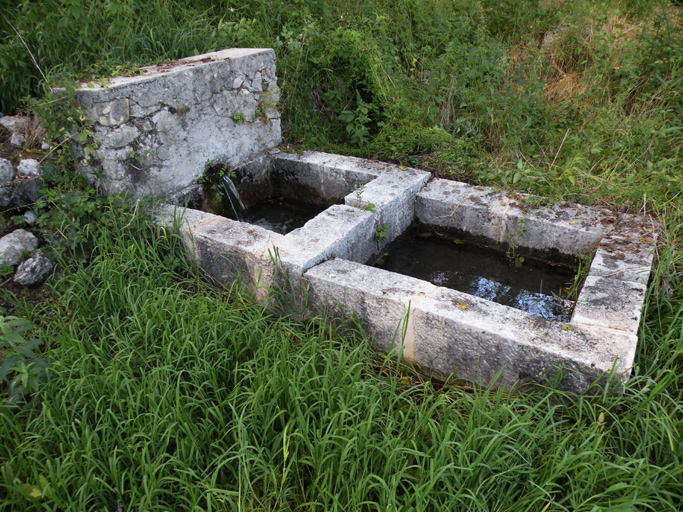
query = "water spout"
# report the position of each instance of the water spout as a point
(234, 199)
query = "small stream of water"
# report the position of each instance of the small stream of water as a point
(234, 199)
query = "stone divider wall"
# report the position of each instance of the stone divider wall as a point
(319, 269)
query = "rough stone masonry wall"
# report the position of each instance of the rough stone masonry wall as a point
(155, 132)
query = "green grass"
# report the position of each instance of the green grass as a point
(571, 99)
(166, 394)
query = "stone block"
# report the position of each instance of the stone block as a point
(329, 177)
(610, 303)
(338, 232)
(155, 131)
(511, 219)
(232, 251)
(392, 197)
(382, 302)
(466, 337)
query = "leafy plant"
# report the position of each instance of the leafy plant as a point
(23, 370)
(381, 232)
(357, 122)
(238, 118)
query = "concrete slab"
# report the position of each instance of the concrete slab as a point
(467, 337)
(382, 302)
(392, 198)
(611, 303)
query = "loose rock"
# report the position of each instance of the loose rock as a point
(30, 218)
(13, 246)
(20, 193)
(17, 140)
(29, 168)
(6, 170)
(34, 270)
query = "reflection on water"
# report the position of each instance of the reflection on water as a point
(483, 272)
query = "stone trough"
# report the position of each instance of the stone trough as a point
(320, 268)
(157, 131)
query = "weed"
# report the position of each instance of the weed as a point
(238, 118)
(23, 369)
(381, 232)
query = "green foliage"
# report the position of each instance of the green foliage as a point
(238, 118)
(381, 232)
(22, 370)
(165, 394)
(572, 99)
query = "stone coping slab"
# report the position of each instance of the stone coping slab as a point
(444, 332)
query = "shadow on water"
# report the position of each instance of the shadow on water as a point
(534, 286)
(275, 214)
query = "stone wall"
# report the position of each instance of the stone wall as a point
(155, 132)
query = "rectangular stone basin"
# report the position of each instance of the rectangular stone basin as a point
(320, 268)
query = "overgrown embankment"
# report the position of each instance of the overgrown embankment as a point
(568, 99)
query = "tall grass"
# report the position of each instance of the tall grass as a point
(165, 394)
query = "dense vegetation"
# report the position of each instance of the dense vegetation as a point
(574, 99)
(162, 393)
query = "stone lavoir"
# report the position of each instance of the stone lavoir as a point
(156, 133)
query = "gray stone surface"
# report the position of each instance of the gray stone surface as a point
(6, 171)
(29, 168)
(382, 302)
(30, 218)
(511, 219)
(611, 303)
(392, 197)
(318, 270)
(15, 244)
(17, 139)
(14, 124)
(155, 132)
(19, 193)
(34, 270)
(231, 251)
(338, 232)
(467, 337)
(227, 250)
(329, 176)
